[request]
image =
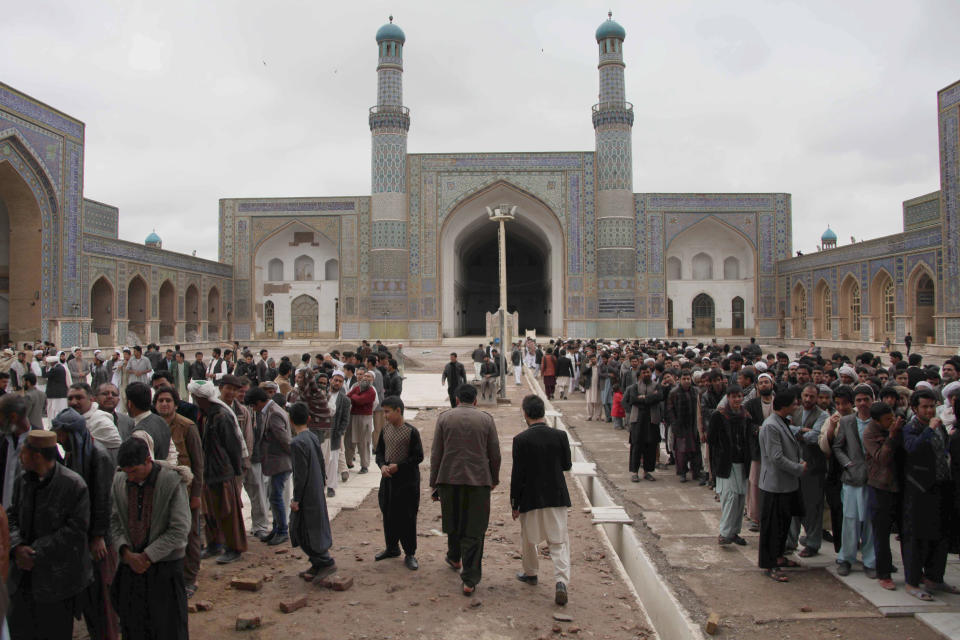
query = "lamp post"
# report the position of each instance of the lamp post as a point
(501, 215)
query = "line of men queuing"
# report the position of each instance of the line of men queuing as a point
(874, 447)
(109, 508)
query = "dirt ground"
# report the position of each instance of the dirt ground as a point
(389, 601)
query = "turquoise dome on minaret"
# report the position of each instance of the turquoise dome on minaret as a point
(828, 236)
(610, 29)
(153, 239)
(391, 31)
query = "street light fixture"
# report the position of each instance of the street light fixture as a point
(501, 215)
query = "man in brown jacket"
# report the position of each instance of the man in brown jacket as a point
(464, 468)
(882, 439)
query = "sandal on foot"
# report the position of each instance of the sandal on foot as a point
(453, 565)
(919, 594)
(887, 584)
(787, 563)
(942, 587)
(468, 590)
(776, 575)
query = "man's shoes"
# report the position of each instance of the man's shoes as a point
(704, 481)
(870, 572)
(229, 556)
(649, 477)
(410, 562)
(456, 566)
(522, 577)
(634, 478)
(349, 465)
(363, 470)
(683, 477)
(827, 536)
(387, 553)
(191, 589)
(331, 492)
(560, 597)
(724, 541)
(324, 572)
(808, 552)
(212, 551)
(737, 540)
(278, 539)
(264, 536)
(754, 526)
(344, 476)
(843, 568)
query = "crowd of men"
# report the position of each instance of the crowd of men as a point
(788, 444)
(113, 497)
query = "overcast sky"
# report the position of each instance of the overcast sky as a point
(186, 102)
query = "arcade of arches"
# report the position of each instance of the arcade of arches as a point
(20, 250)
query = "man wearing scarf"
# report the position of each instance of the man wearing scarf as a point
(99, 423)
(149, 521)
(399, 453)
(58, 381)
(363, 397)
(100, 371)
(223, 452)
(91, 461)
(728, 437)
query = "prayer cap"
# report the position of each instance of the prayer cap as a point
(40, 439)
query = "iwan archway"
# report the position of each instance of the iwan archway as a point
(469, 270)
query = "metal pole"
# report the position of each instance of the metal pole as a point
(503, 309)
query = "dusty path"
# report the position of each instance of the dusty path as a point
(389, 601)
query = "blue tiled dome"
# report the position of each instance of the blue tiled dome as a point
(610, 29)
(153, 238)
(828, 236)
(390, 31)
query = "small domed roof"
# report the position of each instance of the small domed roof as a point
(610, 29)
(390, 31)
(153, 238)
(828, 236)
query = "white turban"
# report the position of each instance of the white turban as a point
(950, 390)
(793, 365)
(207, 390)
(923, 384)
(338, 373)
(52, 359)
(847, 370)
(767, 376)
(760, 366)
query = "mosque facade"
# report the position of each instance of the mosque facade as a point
(416, 259)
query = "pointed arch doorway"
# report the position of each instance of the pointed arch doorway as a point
(304, 317)
(704, 315)
(469, 271)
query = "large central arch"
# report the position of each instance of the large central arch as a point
(469, 268)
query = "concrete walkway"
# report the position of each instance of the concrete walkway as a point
(678, 524)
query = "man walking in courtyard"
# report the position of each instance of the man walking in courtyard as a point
(464, 468)
(539, 497)
(454, 375)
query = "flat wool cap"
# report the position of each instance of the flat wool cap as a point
(40, 439)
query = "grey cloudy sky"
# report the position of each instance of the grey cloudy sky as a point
(186, 102)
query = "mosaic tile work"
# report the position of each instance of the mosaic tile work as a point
(388, 168)
(389, 234)
(611, 83)
(498, 161)
(414, 214)
(949, 99)
(617, 232)
(887, 245)
(614, 158)
(589, 204)
(100, 219)
(921, 212)
(139, 253)
(655, 242)
(348, 245)
(42, 144)
(21, 104)
(70, 265)
(455, 188)
(573, 224)
(285, 205)
(390, 87)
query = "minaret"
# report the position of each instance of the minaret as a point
(615, 218)
(389, 123)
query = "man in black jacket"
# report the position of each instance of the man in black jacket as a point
(453, 375)
(539, 497)
(392, 383)
(91, 461)
(49, 519)
(642, 401)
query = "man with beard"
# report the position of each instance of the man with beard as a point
(100, 371)
(224, 451)
(806, 422)
(91, 461)
(454, 375)
(14, 425)
(683, 416)
(759, 408)
(362, 398)
(709, 401)
(642, 400)
(108, 397)
(99, 423)
(334, 458)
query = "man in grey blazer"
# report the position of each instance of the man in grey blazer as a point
(857, 532)
(780, 470)
(806, 423)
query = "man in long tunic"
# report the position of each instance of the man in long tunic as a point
(683, 416)
(642, 401)
(223, 449)
(399, 453)
(309, 522)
